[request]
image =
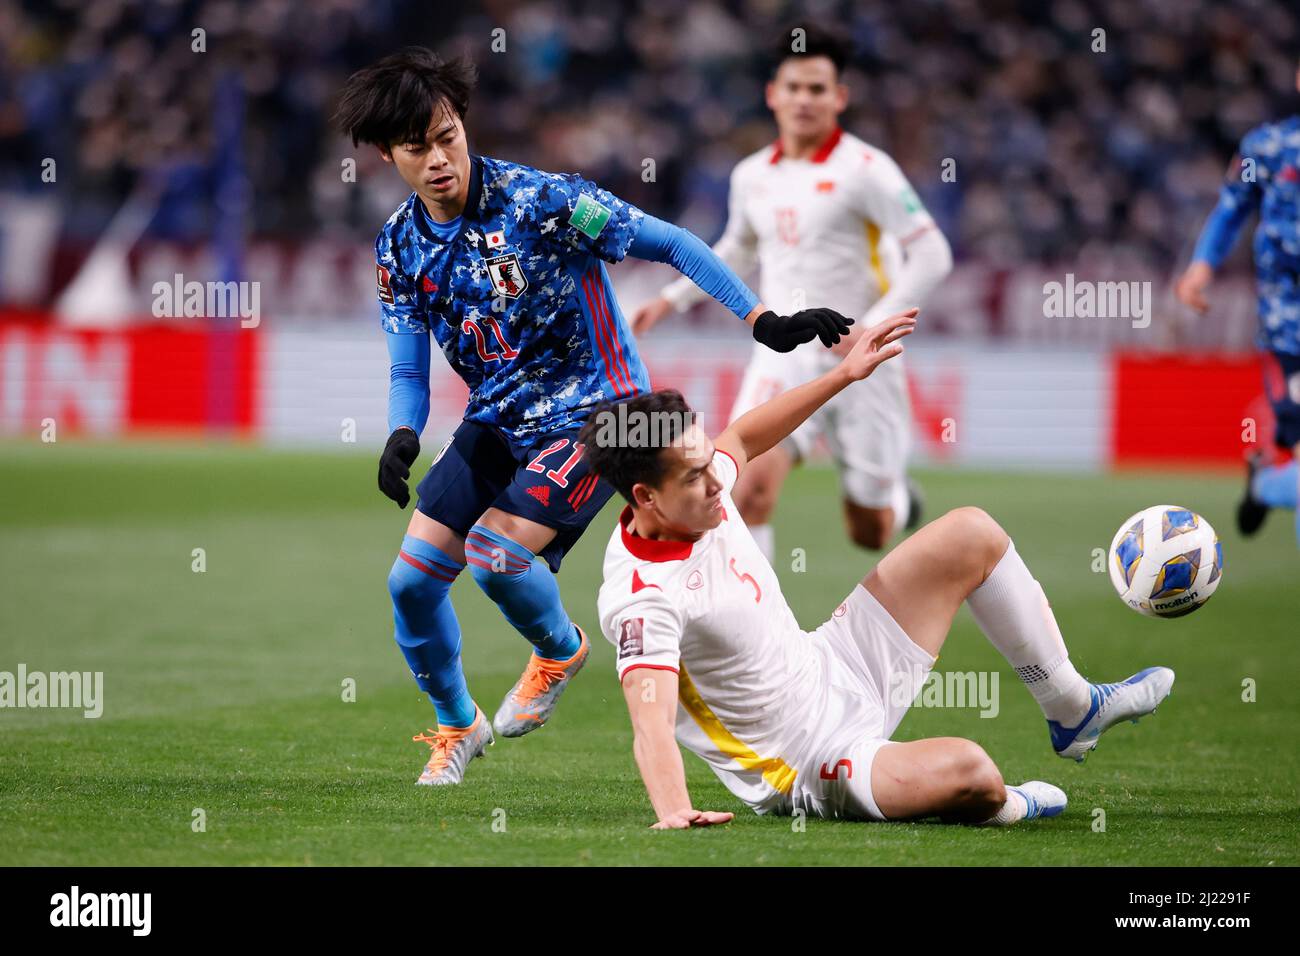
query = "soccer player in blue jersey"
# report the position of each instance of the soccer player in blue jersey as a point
(1265, 176)
(503, 265)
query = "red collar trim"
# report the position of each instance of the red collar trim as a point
(651, 549)
(823, 151)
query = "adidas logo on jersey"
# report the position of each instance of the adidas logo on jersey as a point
(542, 493)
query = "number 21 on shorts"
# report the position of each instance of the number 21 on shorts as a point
(557, 475)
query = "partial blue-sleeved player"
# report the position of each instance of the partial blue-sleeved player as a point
(1264, 177)
(503, 267)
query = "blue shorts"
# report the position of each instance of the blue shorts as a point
(547, 482)
(1286, 401)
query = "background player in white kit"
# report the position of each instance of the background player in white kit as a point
(817, 211)
(709, 651)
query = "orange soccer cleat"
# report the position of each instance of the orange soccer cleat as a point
(533, 698)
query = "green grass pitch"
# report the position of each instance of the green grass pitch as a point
(224, 689)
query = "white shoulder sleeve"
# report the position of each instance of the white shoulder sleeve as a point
(888, 199)
(724, 466)
(645, 630)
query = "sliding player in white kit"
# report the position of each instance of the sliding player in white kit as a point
(817, 211)
(710, 652)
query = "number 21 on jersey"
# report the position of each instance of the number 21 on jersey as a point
(485, 353)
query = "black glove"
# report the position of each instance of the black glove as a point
(781, 333)
(395, 464)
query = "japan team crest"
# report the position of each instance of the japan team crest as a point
(507, 276)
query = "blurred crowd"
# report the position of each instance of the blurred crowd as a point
(1068, 142)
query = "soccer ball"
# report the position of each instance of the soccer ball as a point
(1166, 561)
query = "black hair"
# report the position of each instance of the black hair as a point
(813, 41)
(664, 415)
(392, 100)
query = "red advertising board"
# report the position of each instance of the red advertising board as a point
(143, 378)
(1187, 409)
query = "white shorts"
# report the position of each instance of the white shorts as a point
(874, 672)
(867, 426)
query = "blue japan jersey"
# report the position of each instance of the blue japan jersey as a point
(518, 298)
(1273, 150)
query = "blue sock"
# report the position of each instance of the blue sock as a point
(526, 592)
(1277, 485)
(427, 630)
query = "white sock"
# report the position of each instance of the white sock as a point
(1012, 611)
(765, 539)
(901, 502)
(1014, 809)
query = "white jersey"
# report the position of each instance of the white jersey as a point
(713, 611)
(815, 227)
(826, 232)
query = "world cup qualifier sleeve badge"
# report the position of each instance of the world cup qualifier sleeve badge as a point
(507, 275)
(384, 284)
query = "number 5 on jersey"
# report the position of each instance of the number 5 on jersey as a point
(746, 578)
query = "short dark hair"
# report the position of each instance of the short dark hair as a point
(624, 464)
(815, 41)
(391, 100)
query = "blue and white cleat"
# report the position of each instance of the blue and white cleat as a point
(1130, 699)
(1043, 799)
